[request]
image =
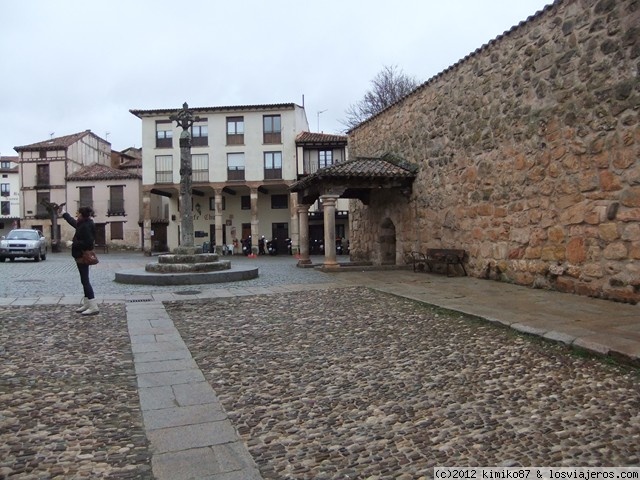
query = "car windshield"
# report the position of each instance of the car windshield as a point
(23, 235)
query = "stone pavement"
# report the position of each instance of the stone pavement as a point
(190, 432)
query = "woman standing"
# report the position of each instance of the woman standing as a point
(83, 239)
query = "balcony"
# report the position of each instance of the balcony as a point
(273, 173)
(201, 141)
(43, 181)
(164, 142)
(235, 139)
(200, 176)
(116, 208)
(272, 137)
(235, 173)
(164, 176)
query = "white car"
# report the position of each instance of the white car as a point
(23, 242)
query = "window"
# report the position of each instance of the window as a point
(272, 165)
(235, 130)
(200, 134)
(86, 197)
(200, 167)
(41, 210)
(116, 200)
(164, 134)
(325, 158)
(164, 169)
(5, 208)
(235, 166)
(5, 190)
(272, 129)
(279, 201)
(245, 202)
(117, 230)
(5, 165)
(42, 174)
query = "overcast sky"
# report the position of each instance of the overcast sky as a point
(72, 65)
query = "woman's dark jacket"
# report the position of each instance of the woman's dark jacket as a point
(85, 236)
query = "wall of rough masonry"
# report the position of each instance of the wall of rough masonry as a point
(529, 155)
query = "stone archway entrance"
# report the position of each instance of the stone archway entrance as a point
(387, 242)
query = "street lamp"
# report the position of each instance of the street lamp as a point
(319, 112)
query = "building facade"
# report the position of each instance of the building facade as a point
(44, 168)
(115, 196)
(244, 158)
(9, 194)
(76, 170)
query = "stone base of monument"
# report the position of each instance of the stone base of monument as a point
(187, 266)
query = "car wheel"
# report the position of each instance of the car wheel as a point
(3, 259)
(44, 255)
(36, 257)
(12, 259)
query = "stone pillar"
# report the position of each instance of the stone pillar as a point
(294, 234)
(186, 212)
(219, 225)
(303, 226)
(329, 209)
(255, 225)
(146, 223)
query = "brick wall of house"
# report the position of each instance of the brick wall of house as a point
(529, 155)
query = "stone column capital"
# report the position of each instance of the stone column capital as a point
(302, 208)
(329, 200)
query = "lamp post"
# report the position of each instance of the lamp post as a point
(319, 112)
(185, 119)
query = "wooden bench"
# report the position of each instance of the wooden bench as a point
(418, 260)
(448, 256)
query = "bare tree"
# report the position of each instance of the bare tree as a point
(387, 87)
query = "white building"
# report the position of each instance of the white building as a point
(244, 158)
(9, 194)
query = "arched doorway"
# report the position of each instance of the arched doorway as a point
(387, 242)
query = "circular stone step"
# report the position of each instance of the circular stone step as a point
(139, 276)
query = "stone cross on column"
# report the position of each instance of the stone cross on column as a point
(185, 119)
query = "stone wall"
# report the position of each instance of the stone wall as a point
(529, 155)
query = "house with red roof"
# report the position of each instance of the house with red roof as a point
(76, 170)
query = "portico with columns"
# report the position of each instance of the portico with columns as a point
(353, 179)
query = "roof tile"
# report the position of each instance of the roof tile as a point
(54, 143)
(97, 171)
(319, 138)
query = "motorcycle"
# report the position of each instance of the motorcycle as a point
(272, 248)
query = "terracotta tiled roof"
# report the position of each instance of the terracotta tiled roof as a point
(133, 152)
(133, 163)
(360, 168)
(309, 138)
(456, 65)
(234, 108)
(54, 143)
(97, 171)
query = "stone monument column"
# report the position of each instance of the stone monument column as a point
(329, 209)
(303, 226)
(185, 120)
(219, 225)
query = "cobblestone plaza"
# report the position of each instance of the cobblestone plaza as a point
(321, 378)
